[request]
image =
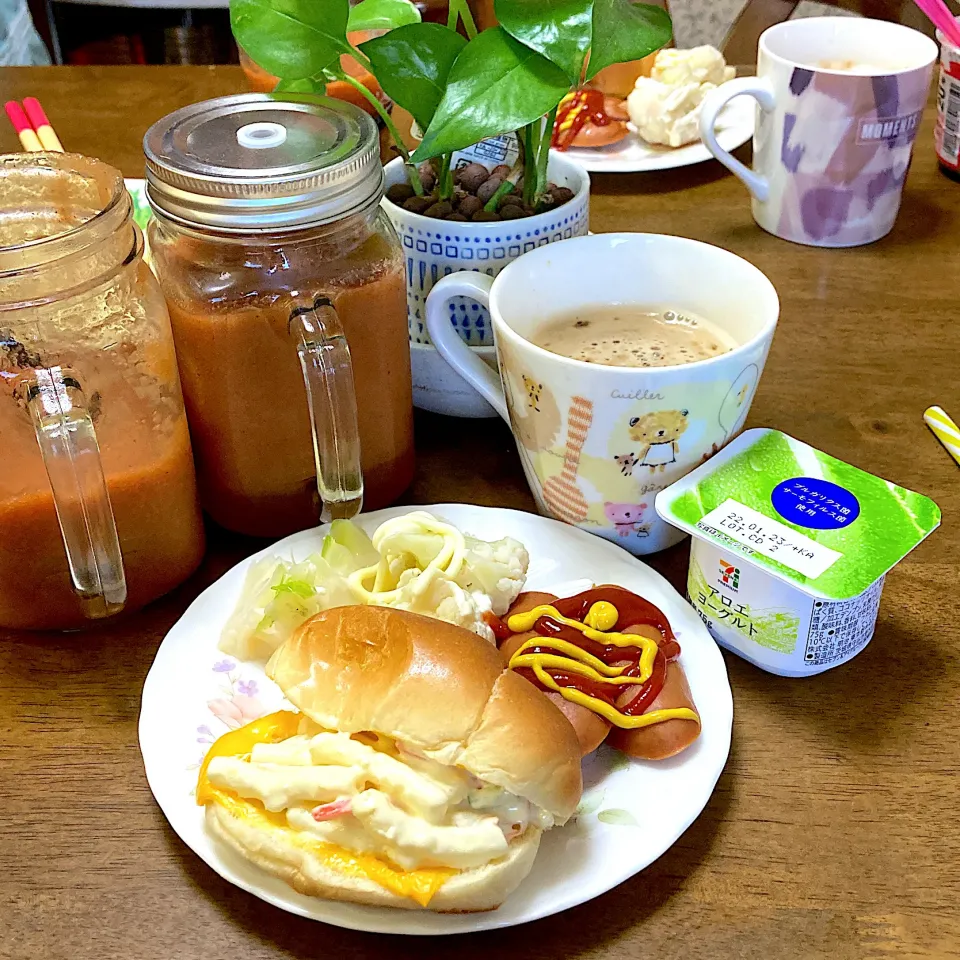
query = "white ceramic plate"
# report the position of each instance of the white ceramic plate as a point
(633, 155)
(632, 811)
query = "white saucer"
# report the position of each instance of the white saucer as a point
(633, 155)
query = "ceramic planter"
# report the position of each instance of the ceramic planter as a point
(435, 248)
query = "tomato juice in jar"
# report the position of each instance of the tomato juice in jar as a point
(285, 285)
(98, 498)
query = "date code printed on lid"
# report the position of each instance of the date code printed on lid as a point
(734, 521)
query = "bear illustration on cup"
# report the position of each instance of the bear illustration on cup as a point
(626, 518)
(659, 433)
(536, 417)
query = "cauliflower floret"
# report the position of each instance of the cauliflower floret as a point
(665, 107)
(491, 577)
(495, 570)
(664, 114)
(444, 599)
(697, 65)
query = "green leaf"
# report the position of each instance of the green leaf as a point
(496, 85)
(299, 588)
(561, 30)
(306, 85)
(624, 31)
(382, 15)
(620, 818)
(292, 39)
(412, 63)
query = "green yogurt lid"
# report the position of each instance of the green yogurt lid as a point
(811, 520)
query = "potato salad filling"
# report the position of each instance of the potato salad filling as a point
(371, 795)
(414, 562)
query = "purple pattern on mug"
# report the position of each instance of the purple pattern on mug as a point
(790, 156)
(800, 80)
(845, 149)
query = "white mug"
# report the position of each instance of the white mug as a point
(598, 442)
(839, 103)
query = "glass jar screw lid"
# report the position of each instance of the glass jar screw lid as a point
(261, 163)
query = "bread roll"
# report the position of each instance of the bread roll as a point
(437, 688)
(439, 691)
(276, 850)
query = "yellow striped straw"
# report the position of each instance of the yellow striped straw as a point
(944, 429)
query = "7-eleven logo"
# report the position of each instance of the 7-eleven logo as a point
(729, 575)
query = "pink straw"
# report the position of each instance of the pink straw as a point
(941, 17)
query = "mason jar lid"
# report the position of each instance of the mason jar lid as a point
(260, 162)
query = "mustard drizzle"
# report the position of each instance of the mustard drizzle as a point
(599, 621)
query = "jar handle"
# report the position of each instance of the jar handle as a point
(71, 455)
(332, 402)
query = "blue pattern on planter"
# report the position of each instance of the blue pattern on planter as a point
(448, 253)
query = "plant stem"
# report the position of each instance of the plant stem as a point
(539, 132)
(413, 174)
(544, 155)
(509, 182)
(360, 57)
(468, 22)
(491, 205)
(530, 144)
(459, 9)
(445, 180)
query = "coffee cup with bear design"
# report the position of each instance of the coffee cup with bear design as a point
(597, 441)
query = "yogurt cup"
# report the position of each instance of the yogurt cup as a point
(790, 549)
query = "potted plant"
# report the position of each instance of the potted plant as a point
(490, 95)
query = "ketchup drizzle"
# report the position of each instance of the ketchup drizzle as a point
(576, 110)
(633, 611)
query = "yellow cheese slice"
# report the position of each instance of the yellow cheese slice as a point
(419, 885)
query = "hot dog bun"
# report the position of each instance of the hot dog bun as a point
(660, 740)
(591, 729)
(438, 688)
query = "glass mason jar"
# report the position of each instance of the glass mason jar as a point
(98, 498)
(286, 290)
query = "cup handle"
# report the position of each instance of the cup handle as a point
(762, 91)
(332, 403)
(451, 347)
(71, 456)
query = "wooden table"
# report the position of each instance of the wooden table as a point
(833, 831)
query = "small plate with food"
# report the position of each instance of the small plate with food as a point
(644, 116)
(393, 725)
